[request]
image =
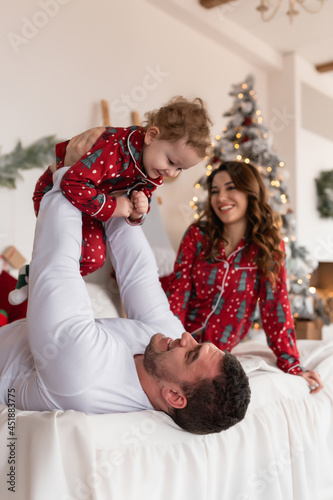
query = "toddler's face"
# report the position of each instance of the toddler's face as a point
(167, 159)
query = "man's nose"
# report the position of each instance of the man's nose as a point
(187, 340)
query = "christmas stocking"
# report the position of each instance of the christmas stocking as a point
(3, 317)
(20, 294)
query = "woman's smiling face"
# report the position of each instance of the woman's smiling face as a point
(229, 204)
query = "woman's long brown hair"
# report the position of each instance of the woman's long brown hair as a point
(263, 222)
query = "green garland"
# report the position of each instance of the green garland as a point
(324, 185)
(38, 154)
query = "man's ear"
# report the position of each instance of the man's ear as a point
(151, 134)
(174, 397)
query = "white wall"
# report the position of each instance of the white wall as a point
(314, 231)
(315, 155)
(306, 152)
(54, 75)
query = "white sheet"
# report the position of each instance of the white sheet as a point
(282, 450)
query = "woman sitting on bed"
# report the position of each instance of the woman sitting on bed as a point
(230, 259)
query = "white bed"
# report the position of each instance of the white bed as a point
(282, 450)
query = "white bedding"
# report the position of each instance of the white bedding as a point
(282, 450)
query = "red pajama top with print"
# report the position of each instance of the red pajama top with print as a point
(216, 300)
(93, 248)
(111, 165)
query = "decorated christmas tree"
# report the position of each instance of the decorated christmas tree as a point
(246, 138)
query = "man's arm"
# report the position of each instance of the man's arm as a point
(61, 326)
(60, 320)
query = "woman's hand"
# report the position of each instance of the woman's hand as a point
(314, 380)
(80, 145)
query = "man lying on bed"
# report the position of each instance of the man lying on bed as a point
(60, 357)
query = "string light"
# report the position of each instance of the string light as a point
(197, 185)
(244, 86)
(239, 135)
(281, 164)
(269, 169)
(238, 157)
(240, 95)
(312, 289)
(247, 160)
(286, 239)
(218, 137)
(236, 146)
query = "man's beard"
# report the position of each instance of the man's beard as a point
(151, 360)
(153, 363)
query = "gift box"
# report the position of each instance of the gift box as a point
(309, 329)
(13, 257)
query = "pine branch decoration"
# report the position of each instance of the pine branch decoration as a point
(38, 154)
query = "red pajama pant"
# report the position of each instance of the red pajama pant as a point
(93, 250)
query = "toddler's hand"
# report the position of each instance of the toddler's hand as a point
(80, 144)
(124, 207)
(140, 204)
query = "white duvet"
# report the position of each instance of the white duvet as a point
(282, 450)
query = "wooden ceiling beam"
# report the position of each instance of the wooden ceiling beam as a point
(322, 68)
(208, 4)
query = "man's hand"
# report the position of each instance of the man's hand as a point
(124, 207)
(140, 205)
(314, 381)
(80, 145)
(53, 166)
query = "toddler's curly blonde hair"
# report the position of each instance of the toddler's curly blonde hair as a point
(182, 118)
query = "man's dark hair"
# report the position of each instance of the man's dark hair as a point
(214, 405)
